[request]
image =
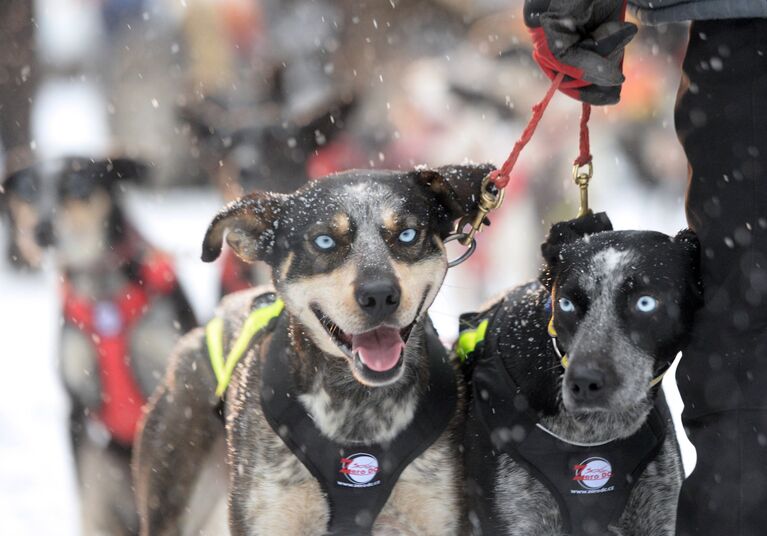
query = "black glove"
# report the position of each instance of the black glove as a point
(584, 39)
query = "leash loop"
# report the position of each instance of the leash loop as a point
(501, 177)
(471, 247)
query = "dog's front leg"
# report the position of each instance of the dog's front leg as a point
(652, 507)
(271, 492)
(178, 431)
(272, 508)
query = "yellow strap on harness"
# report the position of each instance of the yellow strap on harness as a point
(469, 339)
(214, 333)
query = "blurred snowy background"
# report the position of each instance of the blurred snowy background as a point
(431, 82)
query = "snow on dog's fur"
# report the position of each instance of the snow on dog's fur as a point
(622, 304)
(351, 254)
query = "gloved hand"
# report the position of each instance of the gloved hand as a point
(584, 39)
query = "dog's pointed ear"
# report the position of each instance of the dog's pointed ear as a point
(323, 124)
(457, 189)
(203, 119)
(689, 241)
(565, 232)
(251, 222)
(22, 183)
(130, 169)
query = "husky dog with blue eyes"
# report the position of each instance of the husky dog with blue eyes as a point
(341, 410)
(568, 432)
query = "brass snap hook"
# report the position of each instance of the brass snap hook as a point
(490, 199)
(582, 179)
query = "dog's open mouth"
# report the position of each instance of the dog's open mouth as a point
(377, 354)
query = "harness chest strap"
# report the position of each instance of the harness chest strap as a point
(356, 479)
(108, 325)
(591, 483)
(257, 320)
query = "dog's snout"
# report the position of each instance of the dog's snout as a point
(378, 299)
(587, 384)
(44, 234)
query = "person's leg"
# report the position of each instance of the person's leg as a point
(721, 120)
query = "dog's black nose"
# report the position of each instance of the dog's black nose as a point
(44, 234)
(586, 384)
(378, 299)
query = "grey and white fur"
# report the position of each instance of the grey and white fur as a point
(622, 305)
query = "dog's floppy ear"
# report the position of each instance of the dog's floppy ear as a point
(689, 240)
(456, 188)
(563, 233)
(250, 221)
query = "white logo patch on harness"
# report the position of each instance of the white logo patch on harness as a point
(360, 470)
(593, 474)
(107, 319)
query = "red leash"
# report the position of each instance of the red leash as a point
(492, 187)
(500, 177)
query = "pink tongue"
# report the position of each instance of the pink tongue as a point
(379, 349)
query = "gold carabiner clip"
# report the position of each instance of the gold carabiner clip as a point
(582, 181)
(488, 200)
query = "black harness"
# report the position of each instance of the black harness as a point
(591, 483)
(357, 479)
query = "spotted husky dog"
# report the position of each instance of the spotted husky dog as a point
(568, 431)
(343, 413)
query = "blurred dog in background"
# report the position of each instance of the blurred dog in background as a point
(122, 311)
(245, 148)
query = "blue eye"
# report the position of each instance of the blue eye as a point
(647, 304)
(566, 306)
(407, 236)
(324, 242)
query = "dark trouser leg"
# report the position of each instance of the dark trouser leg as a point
(721, 119)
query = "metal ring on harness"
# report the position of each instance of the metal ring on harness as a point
(466, 254)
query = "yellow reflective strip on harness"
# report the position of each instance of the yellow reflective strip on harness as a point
(469, 339)
(256, 321)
